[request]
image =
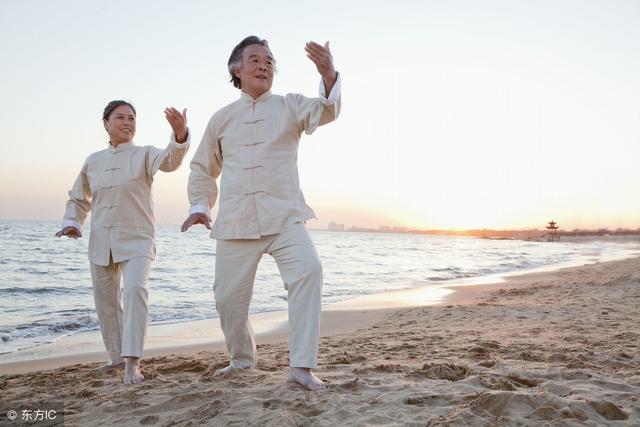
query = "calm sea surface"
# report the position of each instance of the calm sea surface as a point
(45, 284)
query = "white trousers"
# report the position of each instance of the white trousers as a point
(301, 271)
(122, 312)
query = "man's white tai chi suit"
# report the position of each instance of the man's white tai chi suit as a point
(253, 145)
(115, 185)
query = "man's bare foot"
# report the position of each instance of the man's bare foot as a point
(306, 379)
(132, 373)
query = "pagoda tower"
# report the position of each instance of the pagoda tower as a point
(552, 231)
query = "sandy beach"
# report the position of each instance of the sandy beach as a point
(552, 348)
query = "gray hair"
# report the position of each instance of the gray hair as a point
(235, 60)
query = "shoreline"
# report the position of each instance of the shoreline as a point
(89, 341)
(271, 327)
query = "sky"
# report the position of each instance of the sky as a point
(455, 114)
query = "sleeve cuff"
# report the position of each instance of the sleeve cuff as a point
(335, 91)
(200, 209)
(69, 223)
(183, 145)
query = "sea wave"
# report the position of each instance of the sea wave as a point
(46, 330)
(16, 290)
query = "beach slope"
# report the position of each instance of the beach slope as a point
(555, 348)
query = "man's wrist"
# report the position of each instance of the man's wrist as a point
(182, 139)
(331, 77)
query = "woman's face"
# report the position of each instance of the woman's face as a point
(121, 125)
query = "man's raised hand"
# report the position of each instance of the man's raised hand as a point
(322, 58)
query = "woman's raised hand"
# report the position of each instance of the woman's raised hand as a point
(178, 122)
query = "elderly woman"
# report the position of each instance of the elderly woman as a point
(115, 184)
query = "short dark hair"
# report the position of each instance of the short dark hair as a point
(113, 105)
(235, 60)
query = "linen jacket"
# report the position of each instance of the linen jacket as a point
(115, 185)
(253, 145)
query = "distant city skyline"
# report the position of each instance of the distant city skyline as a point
(402, 229)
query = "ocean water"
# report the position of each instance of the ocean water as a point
(45, 284)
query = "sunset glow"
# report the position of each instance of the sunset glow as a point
(455, 115)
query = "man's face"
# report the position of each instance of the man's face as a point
(256, 71)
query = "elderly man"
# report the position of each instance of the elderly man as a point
(253, 144)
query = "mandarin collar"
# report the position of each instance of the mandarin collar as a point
(247, 98)
(121, 147)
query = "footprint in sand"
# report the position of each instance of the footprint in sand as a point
(445, 371)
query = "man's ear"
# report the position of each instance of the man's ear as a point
(236, 72)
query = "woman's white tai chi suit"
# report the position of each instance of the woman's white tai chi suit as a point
(115, 185)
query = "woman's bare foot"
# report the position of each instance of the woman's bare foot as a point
(306, 379)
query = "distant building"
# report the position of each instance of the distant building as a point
(336, 227)
(552, 231)
(385, 229)
(399, 229)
